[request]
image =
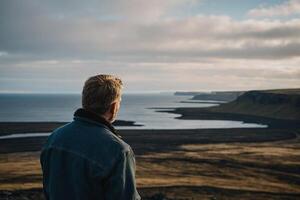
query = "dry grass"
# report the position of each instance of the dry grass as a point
(265, 167)
(20, 171)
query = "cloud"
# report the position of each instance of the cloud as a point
(211, 74)
(135, 10)
(3, 53)
(167, 39)
(46, 42)
(286, 8)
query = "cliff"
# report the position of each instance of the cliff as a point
(186, 93)
(218, 96)
(279, 104)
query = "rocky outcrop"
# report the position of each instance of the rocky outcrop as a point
(269, 98)
(186, 93)
(280, 104)
(218, 96)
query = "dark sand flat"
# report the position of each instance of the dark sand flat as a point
(147, 141)
(37, 127)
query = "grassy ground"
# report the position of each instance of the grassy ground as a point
(182, 164)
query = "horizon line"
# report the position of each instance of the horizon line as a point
(146, 92)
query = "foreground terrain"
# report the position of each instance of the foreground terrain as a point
(181, 164)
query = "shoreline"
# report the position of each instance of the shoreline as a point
(196, 113)
(157, 139)
(7, 128)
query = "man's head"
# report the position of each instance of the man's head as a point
(101, 94)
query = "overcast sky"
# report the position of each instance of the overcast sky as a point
(158, 45)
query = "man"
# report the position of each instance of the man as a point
(86, 159)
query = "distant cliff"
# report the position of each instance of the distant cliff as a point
(279, 104)
(218, 96)
(186, 93)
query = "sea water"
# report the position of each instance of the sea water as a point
(140, 108)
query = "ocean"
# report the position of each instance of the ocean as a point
(141, 108)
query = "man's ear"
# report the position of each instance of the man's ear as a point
(113, 108)
(112, 111)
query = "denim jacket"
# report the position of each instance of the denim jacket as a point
(85, 160)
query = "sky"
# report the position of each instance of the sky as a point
(159, 45)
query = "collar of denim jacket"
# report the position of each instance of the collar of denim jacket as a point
(94, 117)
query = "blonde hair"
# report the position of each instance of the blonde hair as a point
(100, 91)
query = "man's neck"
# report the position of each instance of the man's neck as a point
(106, 118)
(98, 118)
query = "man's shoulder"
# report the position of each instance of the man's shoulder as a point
(115, 140)
(93, 138)
(94, 143)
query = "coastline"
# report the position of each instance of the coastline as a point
(156, 140)
(231, 163)
(37, 127)
(196, 113)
